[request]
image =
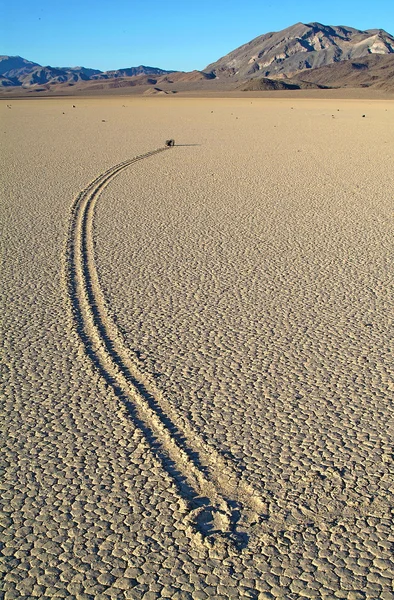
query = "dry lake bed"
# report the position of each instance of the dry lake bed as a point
(198, 348)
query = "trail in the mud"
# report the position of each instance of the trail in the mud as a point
(221, 505)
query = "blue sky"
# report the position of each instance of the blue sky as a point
(172, 34)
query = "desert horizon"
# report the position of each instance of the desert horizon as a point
(188, 92)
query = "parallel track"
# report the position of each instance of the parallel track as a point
(221, 506)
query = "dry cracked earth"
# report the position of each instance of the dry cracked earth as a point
(198, 367)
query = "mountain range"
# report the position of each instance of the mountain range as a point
(300, 56)
(17, 71)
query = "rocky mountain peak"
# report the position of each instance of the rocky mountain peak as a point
(299, 47)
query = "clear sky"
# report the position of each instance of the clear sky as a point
(170, 34)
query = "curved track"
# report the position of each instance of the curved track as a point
(221, 506)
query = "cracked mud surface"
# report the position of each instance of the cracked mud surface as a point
(243, 283)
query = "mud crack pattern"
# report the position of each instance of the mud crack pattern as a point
(252, 298)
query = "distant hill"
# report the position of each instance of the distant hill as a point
(190, 77)
(43, 75)
(14, 66)
(18, 71)
(300, 47)
(82, 71)
(131, 72)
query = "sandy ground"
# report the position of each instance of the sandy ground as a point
(198, 348)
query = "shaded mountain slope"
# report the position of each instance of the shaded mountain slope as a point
(371, 71)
